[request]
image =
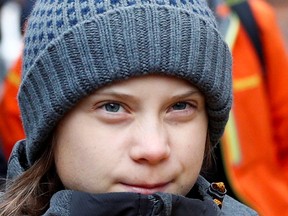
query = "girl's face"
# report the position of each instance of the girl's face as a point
(143, 135)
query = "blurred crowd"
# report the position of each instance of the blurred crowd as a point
(252, 159)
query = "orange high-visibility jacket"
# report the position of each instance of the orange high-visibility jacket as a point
(255, 142)
(10, 124)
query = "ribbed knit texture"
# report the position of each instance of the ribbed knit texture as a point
(73, 47)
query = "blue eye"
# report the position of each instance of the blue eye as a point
(112, 107)
(179, 106)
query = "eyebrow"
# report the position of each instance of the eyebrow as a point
(113, 94)
(129, 97)
(187, 94)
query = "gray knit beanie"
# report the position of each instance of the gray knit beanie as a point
(73, 47)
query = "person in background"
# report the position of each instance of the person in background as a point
(254, 148)
(3, 162)
(122, 103)
(11, 129)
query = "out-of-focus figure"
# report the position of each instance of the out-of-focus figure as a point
(13, 15)
(10, 124)
(255, 143)
(3, 162)
(10, 121)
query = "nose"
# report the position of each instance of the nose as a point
(150, 143)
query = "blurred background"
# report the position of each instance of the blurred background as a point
(281, 9)
(12, 17)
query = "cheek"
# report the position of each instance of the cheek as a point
(191, 160)
(192, 155)
(192, 139)
(84, 156)
(190, 150)
(74, 152)
(79, 167)
(72, 160)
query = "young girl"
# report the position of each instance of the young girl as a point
(122, 102)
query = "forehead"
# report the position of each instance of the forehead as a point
(150, 83)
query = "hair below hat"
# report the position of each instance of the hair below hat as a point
(74, 47)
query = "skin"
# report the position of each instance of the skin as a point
(142, 135)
